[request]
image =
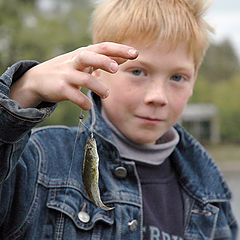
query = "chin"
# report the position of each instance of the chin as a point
(144, 140)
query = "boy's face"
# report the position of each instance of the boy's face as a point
(148, 95)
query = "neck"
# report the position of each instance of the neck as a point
(146, 153)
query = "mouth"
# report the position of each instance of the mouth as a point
(149, 120)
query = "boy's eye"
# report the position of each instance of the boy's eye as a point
(177, 78)
(137, 72)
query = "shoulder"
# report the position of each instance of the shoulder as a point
(198, 171)
(54, 147)
(50, 138)
(55, 132)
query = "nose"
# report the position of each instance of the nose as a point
(156, 94)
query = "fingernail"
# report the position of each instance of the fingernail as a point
(106, 94)
(113, 67)
(132, 52)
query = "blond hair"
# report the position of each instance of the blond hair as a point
(171, 21)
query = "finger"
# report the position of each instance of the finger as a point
(113, 50)
(74, 95)
(119, 60)
(82, 79)
(116, 50)
(86, 58)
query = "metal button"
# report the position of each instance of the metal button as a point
(83, 217)
(120, 172)
(133, 225)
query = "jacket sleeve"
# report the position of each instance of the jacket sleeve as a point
(16, 122)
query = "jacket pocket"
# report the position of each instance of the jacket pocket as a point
(208, 223)
(83, 213)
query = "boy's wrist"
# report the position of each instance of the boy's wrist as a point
(23, 91)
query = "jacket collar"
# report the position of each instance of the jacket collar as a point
(197, 171)
(96, 123)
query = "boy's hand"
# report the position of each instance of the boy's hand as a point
(62, 77)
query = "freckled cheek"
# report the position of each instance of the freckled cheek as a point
(120, 103)
(129, 99)
(177, 108)
(127, 105)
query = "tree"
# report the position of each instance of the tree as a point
(226, 98)
(221, 62)
(28, 33)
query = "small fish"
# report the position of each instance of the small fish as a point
(90, 173)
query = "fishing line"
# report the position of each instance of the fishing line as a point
(90, 130)
(80, 123)
(71, 164)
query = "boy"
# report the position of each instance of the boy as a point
(160, 181)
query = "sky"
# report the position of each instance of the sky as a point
(224, 16)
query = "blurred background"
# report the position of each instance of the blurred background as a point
(42, 29)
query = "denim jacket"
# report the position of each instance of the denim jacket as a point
(41, 191)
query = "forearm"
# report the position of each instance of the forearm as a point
(15, 122)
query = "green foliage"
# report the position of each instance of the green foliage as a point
(67, 114)
(220, 63)
(219, 83)
(27, 33)
(225, 95)
(201, 91)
